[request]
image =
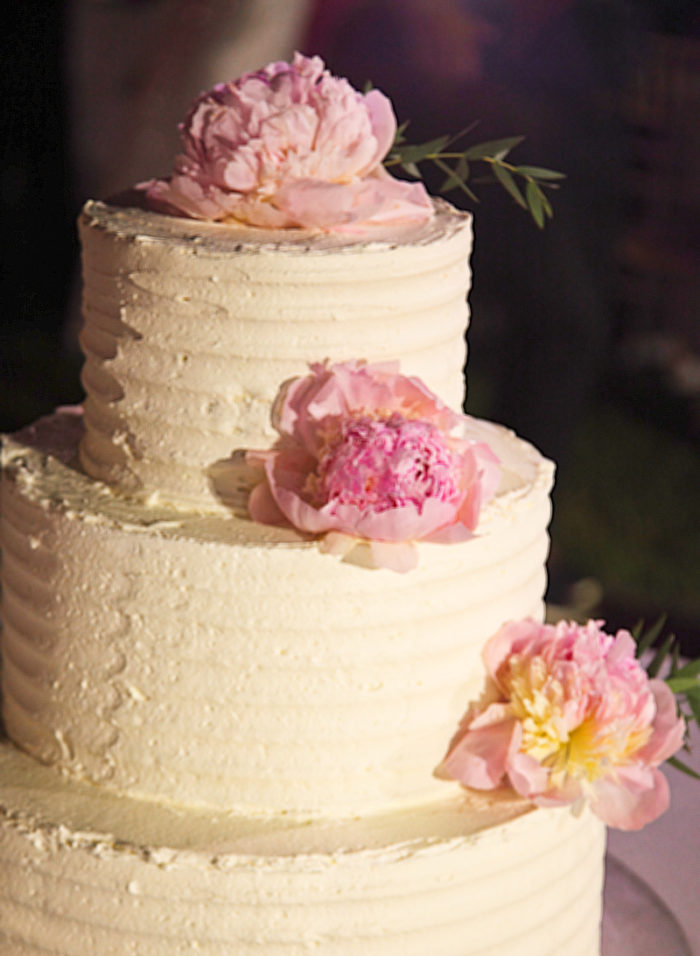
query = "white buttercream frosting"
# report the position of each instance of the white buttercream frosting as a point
(210, 660)
(248, 729)
(190, 329)
(88, 871)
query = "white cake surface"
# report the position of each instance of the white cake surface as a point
(88, 871)
(209, 660)
(191, 328)
(221, 739)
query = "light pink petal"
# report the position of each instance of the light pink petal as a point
(489, 469)
(526, 775)
(479, 758)
(182, 194)
(292, 412)
(383, 125)
(314, 203)
(400, 556)
(258, 212)
(335, 542)
(403, 523)
(262, 506)
(623, 648)
(668, 727)
(415, 400)
(499, 647)
(628, 803)
(360, 386)
(449, 534)
(299, 512)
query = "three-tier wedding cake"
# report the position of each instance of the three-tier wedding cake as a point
(231, 675)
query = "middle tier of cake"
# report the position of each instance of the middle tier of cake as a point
(208, 660)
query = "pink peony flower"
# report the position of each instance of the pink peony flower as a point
(571, 715)
(365, 452)
(289, 145)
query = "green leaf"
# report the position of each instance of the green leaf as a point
(457, 178)
(538, 172)
(412, 170)
(462, 169)
(658, 659)
(692, 698)
(534, 202)
(546, 205)
(681, 685)
(675, 659)
(463, 132)
(452, 181)
(644, 638)
(691, 669)
(683, 767)
(414, 154)
(442, 165)
(495, 148)
(399, 137)
(506, 180)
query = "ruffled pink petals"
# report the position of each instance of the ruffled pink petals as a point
(632, 799)
(481, 757)
(289, 146)
(667, 730)
(312, 203)
(367, 454)
(591, 725)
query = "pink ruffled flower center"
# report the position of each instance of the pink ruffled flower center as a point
(380, 463)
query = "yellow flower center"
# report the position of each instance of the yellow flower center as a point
(585, 752)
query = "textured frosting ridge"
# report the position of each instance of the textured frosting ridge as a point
(190, 328)
(211, 660)
(222, 739)
(464, 874)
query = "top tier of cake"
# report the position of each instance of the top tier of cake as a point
(190, 329)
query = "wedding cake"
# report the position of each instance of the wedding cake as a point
(226, 732)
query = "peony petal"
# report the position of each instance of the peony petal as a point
(449, 534)
(622, 802)
(398, 556)
(480, 757)
(262, 506)
(335, 542)
(404, 523)
(314, 203)
(527, 776)
(504, 642)
(668, 728)
(383, 125)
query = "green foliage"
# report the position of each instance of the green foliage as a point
(683, 680)
(525, 184)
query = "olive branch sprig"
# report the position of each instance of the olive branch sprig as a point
(683, 679)
(525, 184)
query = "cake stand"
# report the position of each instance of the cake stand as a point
(635, 920)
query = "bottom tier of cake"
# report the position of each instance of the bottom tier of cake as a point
(87, 871)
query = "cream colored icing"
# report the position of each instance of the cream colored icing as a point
(210, 660)
(248, 729)
(471, 875)
(190, 328)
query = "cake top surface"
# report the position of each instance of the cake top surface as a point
(127, 217)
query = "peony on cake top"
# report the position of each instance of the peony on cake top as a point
(287, 146)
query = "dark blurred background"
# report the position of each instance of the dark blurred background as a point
(585, 337)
